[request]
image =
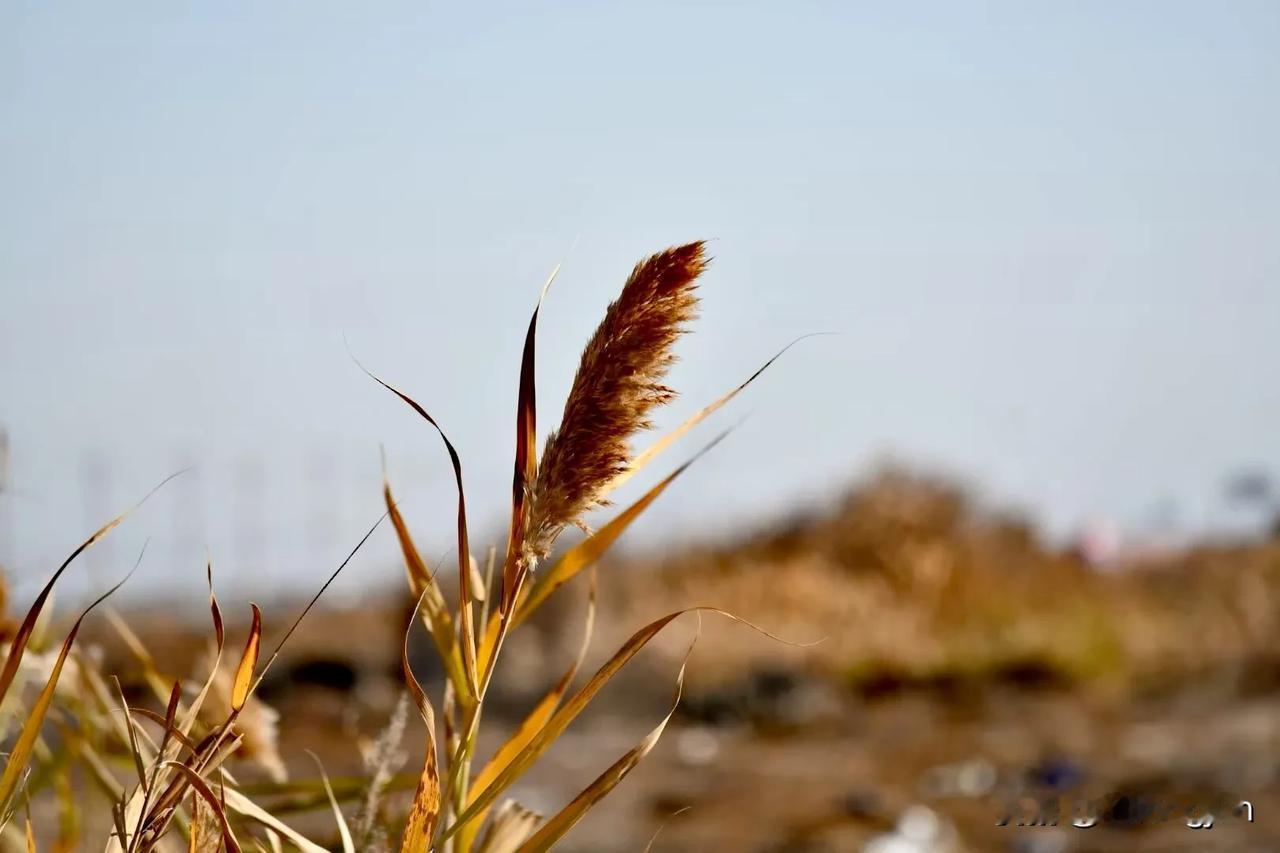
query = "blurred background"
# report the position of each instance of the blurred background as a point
(1026, 490)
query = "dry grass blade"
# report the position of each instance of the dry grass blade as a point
(242, 805)
(557, 825)
(23, 635)
(220, 636)
(559, 721)
(586, 552)
(209, 755)
(214, 610)
(526, 462)
(20, 754)
(512, 824)
(202, 788)
(205, 834)
(248, 660)
(138, 763)
(121, 833)
(535, 719)
(344, 832)
(654, 450)
(424, 814)
(574, 706)
(464, 545)
(168, 726)
(422, 584)
(617, 385)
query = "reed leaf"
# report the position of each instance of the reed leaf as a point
(464, 547)
(248, 660)
(424, 814)
(23, 635)
(20, 754)
(559, 824)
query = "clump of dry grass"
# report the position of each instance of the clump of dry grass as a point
(942, 587)
(618, 384)
(173, 778)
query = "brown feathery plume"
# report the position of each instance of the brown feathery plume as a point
(617, 384)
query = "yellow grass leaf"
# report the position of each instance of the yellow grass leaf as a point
(559, 721)
(555, 827)
(464, 546)
(20, 753)
(651, 452)
(241, 804)
(422, 584)
(574, 706)
(533, 721)
(23, 635)
(244, 672)
(424, 814)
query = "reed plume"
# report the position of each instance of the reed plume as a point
(618, 383)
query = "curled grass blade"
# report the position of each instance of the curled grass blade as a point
(464, 546)
(242, 805)
(23, 635)
(532, 723)
(541, 712)
(344, 831)
(20, 754)
(559, 824)
(423, 584)
(424, 814)
(574, 706)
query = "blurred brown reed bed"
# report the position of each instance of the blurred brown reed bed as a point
(907, 579)
(908, 582)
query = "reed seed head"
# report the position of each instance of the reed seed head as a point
(618, 384)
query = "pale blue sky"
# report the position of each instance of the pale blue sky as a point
(1047, 233)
